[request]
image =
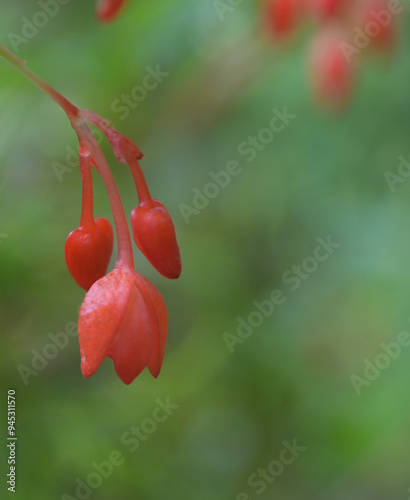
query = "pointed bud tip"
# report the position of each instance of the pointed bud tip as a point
(155, 371)
(125, 380)
(172, 273)
(86, 369)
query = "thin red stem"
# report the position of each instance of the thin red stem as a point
(125, 255)
(140, 183)
(139, 179)
(87, 211)
(86, 139)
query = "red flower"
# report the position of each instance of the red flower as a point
(123, 316)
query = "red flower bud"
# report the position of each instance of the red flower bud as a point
(154, 234)
(281, 17)
(107, 10)
(332, 74)
(88, 251)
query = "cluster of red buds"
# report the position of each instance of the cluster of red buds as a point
(345, 31)
(123, 316)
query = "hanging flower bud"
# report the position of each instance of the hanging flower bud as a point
(152, 226)
(88, 251)
(123, 316)
(107, 10)
(280, 17)
(88, 248)
(154, 234)
(332, 74)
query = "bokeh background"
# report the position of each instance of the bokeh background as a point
(324, 175)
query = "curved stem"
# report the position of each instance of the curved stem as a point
(140, 183)
(71, 110)
(115, 138)
(139, 179)
(87, 140)
(125, 255)
(87, 212)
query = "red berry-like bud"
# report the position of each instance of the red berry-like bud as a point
(88, 251)
(281, 17)
(154, 234)
(107, 10)
(332, 74)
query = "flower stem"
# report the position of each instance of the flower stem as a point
(139, 179)
(87, 140)
(71, 110)
(87, 212)
(85, 136)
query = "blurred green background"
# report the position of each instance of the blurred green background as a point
(324, 175)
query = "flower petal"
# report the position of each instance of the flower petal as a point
(159, 317)
(101, 315)
(133, 344)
